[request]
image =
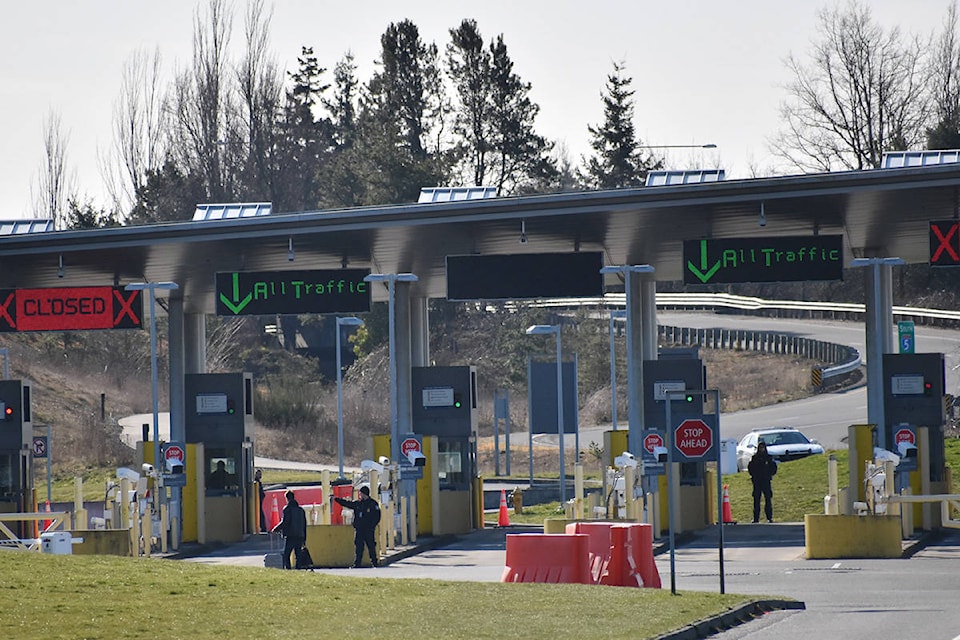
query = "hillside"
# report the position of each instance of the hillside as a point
(73, 373)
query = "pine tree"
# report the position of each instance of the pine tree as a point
(618, 160)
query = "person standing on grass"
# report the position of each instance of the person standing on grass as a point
(293, 526)
(762, 468)
(366, 517)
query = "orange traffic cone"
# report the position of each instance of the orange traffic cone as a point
(274, 514)
(727, 515)
(504, 519)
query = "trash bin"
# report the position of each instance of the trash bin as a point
(340, 488)
(56, 542)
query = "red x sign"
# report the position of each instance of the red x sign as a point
(944, 244)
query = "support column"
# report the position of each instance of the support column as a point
(635, 352)
(176, 340)
(419, 332)
(404, 356)
(195, 342)
(879, 337)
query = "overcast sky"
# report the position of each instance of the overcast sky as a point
(703, 71)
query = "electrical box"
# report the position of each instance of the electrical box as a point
(913, 389)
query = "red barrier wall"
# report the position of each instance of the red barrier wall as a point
(547, 558)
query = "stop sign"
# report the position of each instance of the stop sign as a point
(693, 438)
(904, 435)
(651, 441)
(408, 445)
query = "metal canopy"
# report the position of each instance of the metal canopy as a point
(881, 213)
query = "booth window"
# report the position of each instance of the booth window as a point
(220, 466)
(451, 456)
(9, 465)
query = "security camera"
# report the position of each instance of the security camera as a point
(384, 460)
(627, 454)
(660, 454)
(907, 450)
(882, 455)
(417, 459)
(625, 460)
(370, 465)
(148, 468)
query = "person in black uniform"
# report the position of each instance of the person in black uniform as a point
(366, 517)
(293, 526)
(762, 468)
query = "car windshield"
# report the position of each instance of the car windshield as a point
(784, 437)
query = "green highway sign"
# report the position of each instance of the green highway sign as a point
(251, 293)
(775, 259)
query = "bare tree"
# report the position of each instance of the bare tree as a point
(862, 93)
(56, 185)
(945, 86)
(205, 136)
(138, 127)
(261, 90)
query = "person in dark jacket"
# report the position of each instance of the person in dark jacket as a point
(762, 468)
(366, 517)
(293, 526)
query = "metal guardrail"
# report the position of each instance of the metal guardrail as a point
(749, 303)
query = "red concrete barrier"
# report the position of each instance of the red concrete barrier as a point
(548, 558)
(620, 553)
(304, 495)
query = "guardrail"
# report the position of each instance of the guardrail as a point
(840, 310)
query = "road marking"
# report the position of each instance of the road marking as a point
(836, 565)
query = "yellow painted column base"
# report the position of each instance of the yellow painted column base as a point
(852, 536)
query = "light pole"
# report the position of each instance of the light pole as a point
(542, 329)
(614, 316)
(349, 321)
(709, 145)
(152, 287)
(391, 279)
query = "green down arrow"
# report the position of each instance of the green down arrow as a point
(237, 305)
(703, 273)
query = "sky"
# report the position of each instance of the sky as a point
(703, 72)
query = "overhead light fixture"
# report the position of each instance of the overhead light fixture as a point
(763, 216)
(290, 254)
(523, 232)
(60, 267)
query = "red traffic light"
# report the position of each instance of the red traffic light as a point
(8, 412)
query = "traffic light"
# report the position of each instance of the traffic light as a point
(231, 406)
(927, 388)
(457, 403)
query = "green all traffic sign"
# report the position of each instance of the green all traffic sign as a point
(774, 259)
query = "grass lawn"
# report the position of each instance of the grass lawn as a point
(98, 597)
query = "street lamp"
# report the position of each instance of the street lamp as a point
(614, 316)
(349, 321)
(709, 145)
(391, 279)
(152, 287)
(543, 329)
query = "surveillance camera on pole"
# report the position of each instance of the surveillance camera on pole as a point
(417, 459)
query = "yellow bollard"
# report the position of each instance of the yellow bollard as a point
(517, 501)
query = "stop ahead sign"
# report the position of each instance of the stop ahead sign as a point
(694, 439)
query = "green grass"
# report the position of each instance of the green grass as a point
(93, 597)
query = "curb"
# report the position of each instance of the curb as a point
(741, 615)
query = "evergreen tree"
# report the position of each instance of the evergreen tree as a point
(617, 161)
(468, 65)
(400, 116)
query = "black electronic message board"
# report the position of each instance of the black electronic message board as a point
(525, 275)
(249, 293)
(776, 259)
(70, 309)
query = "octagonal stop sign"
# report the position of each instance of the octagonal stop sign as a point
(693, 439)
(651, 441)
(904, 435)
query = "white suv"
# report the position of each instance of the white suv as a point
(783, 443)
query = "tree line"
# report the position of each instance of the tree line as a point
(241, 130)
